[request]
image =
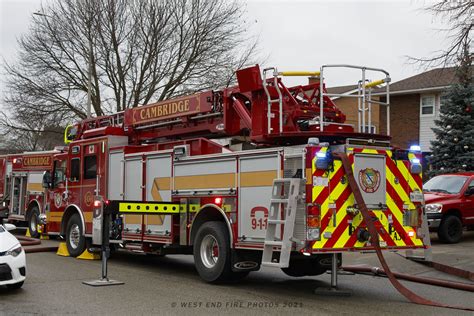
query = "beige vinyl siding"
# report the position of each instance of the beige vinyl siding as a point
(427, 122)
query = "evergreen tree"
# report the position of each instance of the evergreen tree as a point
(453, 149)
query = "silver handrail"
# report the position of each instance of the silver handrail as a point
(270, 101)
(364, 96)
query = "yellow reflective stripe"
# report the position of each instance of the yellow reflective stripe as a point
(340, 215)
(370, 151)
(407, 174)
(194, 208)
(152, 208)
(400, 191)
(299, 73)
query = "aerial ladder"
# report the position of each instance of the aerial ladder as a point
(260, 109)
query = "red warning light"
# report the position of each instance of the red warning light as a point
(218, 200)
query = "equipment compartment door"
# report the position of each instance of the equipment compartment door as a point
(18, 194)
(133, 192)
(255, 191)
(158, 188)
(116, 174)
(369, 171)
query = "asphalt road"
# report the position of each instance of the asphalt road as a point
(170, 285)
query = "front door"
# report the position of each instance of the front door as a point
(56, 203)
(93, 179)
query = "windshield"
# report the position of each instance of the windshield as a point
(445, 184)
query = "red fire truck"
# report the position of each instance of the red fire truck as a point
(21, 190)
(239, 177)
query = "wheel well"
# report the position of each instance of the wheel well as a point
(71, 210)
(454, 212)
(209, 213)
(30, 207)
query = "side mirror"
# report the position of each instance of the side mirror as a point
(9, 227)
(469, 191)
(47, 180)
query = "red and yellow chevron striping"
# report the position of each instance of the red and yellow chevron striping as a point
(339, 220)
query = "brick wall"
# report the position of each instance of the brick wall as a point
(348, 106)
(404, 119)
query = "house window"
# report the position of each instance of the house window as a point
(427, 104)
(372, 130)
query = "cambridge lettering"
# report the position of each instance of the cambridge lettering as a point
(37, 161)
(166, 109)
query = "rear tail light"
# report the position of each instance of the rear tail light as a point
(313, 218)
(313, 221)
(313, 210)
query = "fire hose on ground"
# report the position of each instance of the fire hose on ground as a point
(376, 271)
(411, 296)
(27, 241)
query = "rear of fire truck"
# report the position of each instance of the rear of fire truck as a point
(328, 220)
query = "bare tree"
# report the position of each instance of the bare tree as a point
(135, 52)
(459, 16)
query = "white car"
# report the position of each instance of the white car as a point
(12, 259)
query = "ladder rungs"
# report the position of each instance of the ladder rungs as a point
(275, 101)
(276, 221)
(273, 243)
(279, 201)
(285, 181)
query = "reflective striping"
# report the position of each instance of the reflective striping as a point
(158, 185)
(132, 219)
(37, 187)
(309, 176)
(153, 219)
(258, 178)
(207, 181)
(399, 183)
(128, 207)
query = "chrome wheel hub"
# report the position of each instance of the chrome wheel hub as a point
(209, 251)
(74, 236)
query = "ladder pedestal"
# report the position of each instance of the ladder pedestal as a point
(333, 290)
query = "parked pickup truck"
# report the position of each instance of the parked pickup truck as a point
(449, 205)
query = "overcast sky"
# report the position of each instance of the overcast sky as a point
(303, 35)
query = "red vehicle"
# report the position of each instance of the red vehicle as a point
(21, 191)
(449, 205)
(246, 176)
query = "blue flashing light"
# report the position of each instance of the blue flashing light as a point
(415, 160)
(321, 154)
(415, 148)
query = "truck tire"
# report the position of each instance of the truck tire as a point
(33, 220)
(212, 253)
(450, 230)
(75, 239)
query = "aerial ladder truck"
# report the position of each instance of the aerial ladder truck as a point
(251, 175)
